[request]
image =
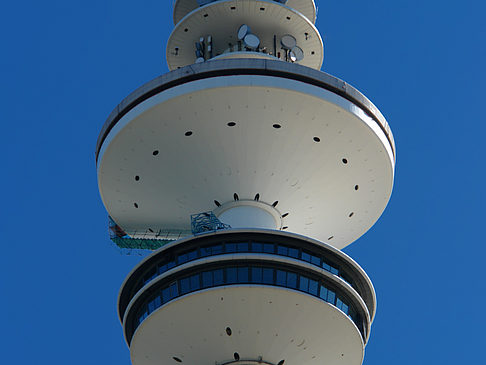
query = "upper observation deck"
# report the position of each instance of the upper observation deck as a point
(245, 29)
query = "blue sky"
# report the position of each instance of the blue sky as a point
(65, 65)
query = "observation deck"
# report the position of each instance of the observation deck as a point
(317, 153)
(280, 30)
(296, 290)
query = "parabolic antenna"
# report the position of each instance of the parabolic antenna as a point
(288, 42)
(251, 41)
(296, 54)
(243, 31)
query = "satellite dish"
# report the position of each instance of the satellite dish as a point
(296, 54)
(200, 60)
(243, 31)
(288, 42)
(251, 41)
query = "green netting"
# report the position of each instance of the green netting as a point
(139, 243)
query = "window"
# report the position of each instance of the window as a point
(207, 279)
(243, 275)
(281, 278)
(282, 250)
(292, 280)
(267, 276)
(195, 285)
(256, 274)
(231, 275)
(323, 293)
(174, 292)
(293, 252)
(185, 286)
(230, 247)
(313, 287)
(218, 277)
(242, 247)
(268, 248)
(256, 247)
(304, 283)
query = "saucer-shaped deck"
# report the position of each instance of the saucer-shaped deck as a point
(302, 140)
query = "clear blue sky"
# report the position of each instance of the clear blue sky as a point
(65, 64)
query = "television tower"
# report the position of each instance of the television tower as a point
(246, 170)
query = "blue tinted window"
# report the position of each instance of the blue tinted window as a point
(243, 275)
(218, 277)
(315, 260)
(173, 290)
(205, 251)
(217, 249)
(165, 295)
(230, 247)
(334, 270)
(171, 264)
(345, 308)
(256, 247)
(192, 255)
(195, 282)
(282, 250)
(313, 287)
(207, 279)
(304, 283)
(267, 276)
(185, 286)
(182, 258)
(268, 248)
(323, 293)
(292, 280)
(242, 247)
(331, 296)
(162, 269)
(306, 256)
(231, 275)
(293, 252)
(256, 274)
(326, 267)
(281, 278)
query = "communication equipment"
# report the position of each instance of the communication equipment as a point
(251, 41)
(243, 31)
(296, 54)
(288, 42)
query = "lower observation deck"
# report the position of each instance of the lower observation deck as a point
(306, 143)
(256, 307)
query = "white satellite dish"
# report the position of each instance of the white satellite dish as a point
(243, 31)
(296, 54)
(288, 41)
(251, 41)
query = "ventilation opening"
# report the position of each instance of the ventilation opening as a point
(275, 203)
(284, 215)
(330, 238)
(316, 139)
(257, 197)
(351, 214)
(262, 9)
(288, 18)
(356, 187)
(217, 203)
(188, 133)
(177, 359)
(231, 124)
(186, 30)
(135, 205)
(236, 197)
(233, 8)
(281, 362)
(277, 126)
(137, 178)
(228, 331)
(150, 230)
(236, 356)
(345, 161)
(206, 15)
(155, 153)
(285, 227)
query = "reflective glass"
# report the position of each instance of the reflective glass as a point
(267, 276)
(323, 293)
(205, 251)
(326, 267)
(230, 247)
(231, 275)
(256, 247)
(313, 286)
(173, 290)
(293, 252)
(281, 278)
(207, 279)
(256, 274)
(268, 248)
(165, 295)
(334, 270)
(282, 250)
(242, 247)
(195, 282)
(182, 258)
(185, 285)
(218, 277)
(305, 256)
(304, 283)
(292, 280)
(331, 296)
(217, 249)
(315, 260)
(192, 255)
(243, 275)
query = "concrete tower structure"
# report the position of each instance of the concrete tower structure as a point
(246, 170)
